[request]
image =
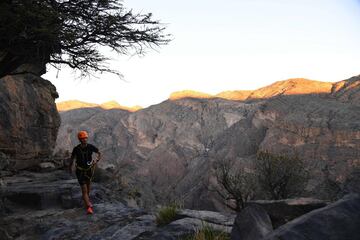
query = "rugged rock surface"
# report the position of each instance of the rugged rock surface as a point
(29, 120)
(338, 221)
(179, 133)
(252, 223)
(166, 151)
(34, 190)
(48, 205)
(283, 211)
(208, 216)
(348, 90)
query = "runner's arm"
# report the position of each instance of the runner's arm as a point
(72, 161)
(72, 165)
(98, 157)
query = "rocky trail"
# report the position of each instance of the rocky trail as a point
(48, 205)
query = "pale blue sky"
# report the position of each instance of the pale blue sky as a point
(230, 45)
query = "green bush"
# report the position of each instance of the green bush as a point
(208, 233)
(281, 176)
(167, 214)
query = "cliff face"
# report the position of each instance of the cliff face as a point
(166, 151)
(29, 120)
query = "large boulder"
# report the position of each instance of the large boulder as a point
(338, 221)
(252, 223)
(285, 210)
(29, 120)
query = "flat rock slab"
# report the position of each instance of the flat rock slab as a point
(208, 216)
(45, 190)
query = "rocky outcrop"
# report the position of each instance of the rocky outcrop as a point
(283, 211)
(166, 151)
(38, 191)
(190, 222)
(252, 223)
(347, 90)
(110, 221)
(48, 205)
(338, 221)
(29, 120)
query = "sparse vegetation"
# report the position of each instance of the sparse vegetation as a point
(236, 185)
(208, 233)
(134, 193)
(329, 189)
(280, 176)
(167, 214)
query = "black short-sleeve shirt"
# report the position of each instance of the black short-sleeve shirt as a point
(83, 155)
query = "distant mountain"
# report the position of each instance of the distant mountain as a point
(286, 87)
(235, 95)
(75, 104)
(189, 94)
(167, 151)
(296, 86)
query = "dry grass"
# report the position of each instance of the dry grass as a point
(166, 214)
(208, 233)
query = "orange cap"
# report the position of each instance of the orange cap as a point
(82, 134)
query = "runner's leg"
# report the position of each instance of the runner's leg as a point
(88, 192)
(85, 195)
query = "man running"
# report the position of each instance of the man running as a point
(85, 166)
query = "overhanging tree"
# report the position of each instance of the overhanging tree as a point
(70, 32)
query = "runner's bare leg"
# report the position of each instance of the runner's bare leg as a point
(85, 195)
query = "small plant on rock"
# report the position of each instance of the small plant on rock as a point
(206, 232)
(167, 214)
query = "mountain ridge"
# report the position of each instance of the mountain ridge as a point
(77, 104)
(290, 86)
